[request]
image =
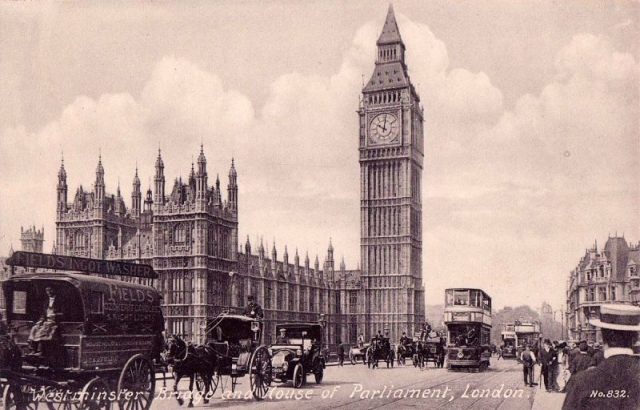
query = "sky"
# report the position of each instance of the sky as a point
(531, 129)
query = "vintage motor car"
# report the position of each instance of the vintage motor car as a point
(298, 353)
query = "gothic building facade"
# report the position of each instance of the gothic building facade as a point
(190, 236)
(190, 233)
(391, 158)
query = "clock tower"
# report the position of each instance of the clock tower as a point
(391, 157)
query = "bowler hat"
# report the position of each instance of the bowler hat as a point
(618, 317)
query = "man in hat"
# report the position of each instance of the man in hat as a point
(282, 337)
(615, 383)
(528, 359)
(598, 354)
(253, 309)
(581, 361)
(548, 359)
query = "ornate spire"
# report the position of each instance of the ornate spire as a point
(390, 33)
(232, 170)
(136, 179)
(100, 168)
(62, 173)
(159, 163)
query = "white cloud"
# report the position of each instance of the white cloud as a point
(497, 181)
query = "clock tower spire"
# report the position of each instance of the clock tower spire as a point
(391, 145)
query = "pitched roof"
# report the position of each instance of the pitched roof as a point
(390, 33)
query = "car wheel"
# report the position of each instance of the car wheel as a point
(298, 376)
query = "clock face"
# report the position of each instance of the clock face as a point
(384, 128)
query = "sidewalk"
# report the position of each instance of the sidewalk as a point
(547, 401)
(544, 400)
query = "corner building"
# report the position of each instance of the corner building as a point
(391, 160)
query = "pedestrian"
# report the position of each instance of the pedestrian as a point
(4, 330)
(563, 367)
(361, 341)
(340, 353)
(555, 367)
(528, 359)
(598, 355)
(620, 370)
(582, 360)
(548, 359)
(500, 351)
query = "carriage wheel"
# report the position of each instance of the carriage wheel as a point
(260, 372)
(14, 399)
(213, 382)
(95, 395)
(137, 378)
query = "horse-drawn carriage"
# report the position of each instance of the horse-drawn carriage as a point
(97, 338)
(380, 349)
(236, 339)
(357, 353)
(298, 352)
(433, 349)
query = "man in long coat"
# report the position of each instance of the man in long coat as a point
(615, 383)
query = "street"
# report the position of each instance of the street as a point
(358, 387)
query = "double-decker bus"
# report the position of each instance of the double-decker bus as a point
(509, 341)
(518, 334)
(467, 315)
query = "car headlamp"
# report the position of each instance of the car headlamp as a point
(460, 354)
(299, 352)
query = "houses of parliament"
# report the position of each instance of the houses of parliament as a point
(189, 232)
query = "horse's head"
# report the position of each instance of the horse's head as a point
(177, 349)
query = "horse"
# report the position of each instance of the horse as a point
(10, 354)
(190, 360)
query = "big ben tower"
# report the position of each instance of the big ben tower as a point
(391, 156)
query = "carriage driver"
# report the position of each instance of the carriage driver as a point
(253, 309)
(404, 340)
(282, 337)
(44, 330)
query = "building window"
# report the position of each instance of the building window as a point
(613, 293)
(632, 271)
(321, 302)
(179, 234)
(353, 301)
(268, 294)
(338, 307)
(281, 292)
(240, 293)
(602, 294)
(303, 299)
(312, 300)
(79, 240)
(591, 295)
(291, 300)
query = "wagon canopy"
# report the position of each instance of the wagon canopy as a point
(232, 328)
(83, 298)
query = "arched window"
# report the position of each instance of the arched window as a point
(79, 240)
(179, 234)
